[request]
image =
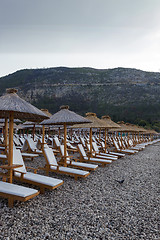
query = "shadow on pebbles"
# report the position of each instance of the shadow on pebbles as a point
(98, 207)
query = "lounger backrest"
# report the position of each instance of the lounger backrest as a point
(95, 147)
(49, 155)
(22, 139)
(25, 146)
(88, 146)
(57, 142)
(82, 151)
(115, 143)
(62, 151)
(31, 144)
(17, 159)
(39, 143)
(82, 140)
(130, 142)
(103, 145)
(16, 141)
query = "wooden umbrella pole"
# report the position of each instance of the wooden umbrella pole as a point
(33, 131)
(6, 135)
(121, 139)
(65, 143)
(100, 134)
(10, 157)
(128, 139)
(59, 132)
(105, 137)
(90, 140)
(43, 134)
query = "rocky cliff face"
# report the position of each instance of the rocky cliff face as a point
(123, 93)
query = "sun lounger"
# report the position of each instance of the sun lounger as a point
(15, 192)
(84, 158)
(52, 165)
(21, 174)
(123, 150)
(72, 163)
(30, 146)
(100, 156)
(119, 155)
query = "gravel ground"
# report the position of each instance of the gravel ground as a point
(97, 207)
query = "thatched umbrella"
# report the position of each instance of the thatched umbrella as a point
(12, 106)
(109, 121)
(64, 117)
(135, 130)
(45, 111)
(96, 123)
(151, 132)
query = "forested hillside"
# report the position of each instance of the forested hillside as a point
(124, 94)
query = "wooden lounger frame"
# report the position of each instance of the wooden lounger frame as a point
(47, 169)
(11, 198)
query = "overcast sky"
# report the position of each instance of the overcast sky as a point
(79, 33)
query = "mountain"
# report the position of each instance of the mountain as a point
(123, 93)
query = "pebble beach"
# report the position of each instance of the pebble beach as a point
(98, 207)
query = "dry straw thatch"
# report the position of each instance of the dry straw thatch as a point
(123, 128)
(45, 111)
(95, 122)
(11, 102)
(65, 116)
(136, 128)
(109, 121)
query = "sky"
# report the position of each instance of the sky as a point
(79, 33)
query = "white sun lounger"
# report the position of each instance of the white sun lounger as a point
(123, 150)
(100, 156)
(119, 155)
(30, 146)
(15, 192)
(52, 165)
(84, 158)
(95, 148)
(81, 165)
(32, 178)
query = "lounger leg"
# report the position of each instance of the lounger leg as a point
(42, 190)
(10, 202)
(76, 178)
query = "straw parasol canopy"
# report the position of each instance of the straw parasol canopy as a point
(12, 106)
(96, 123)
(64, 117)
(109, 121)
(135, 128)
(11, 102)
(45, 111)
(123, 128)
(151, 131)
